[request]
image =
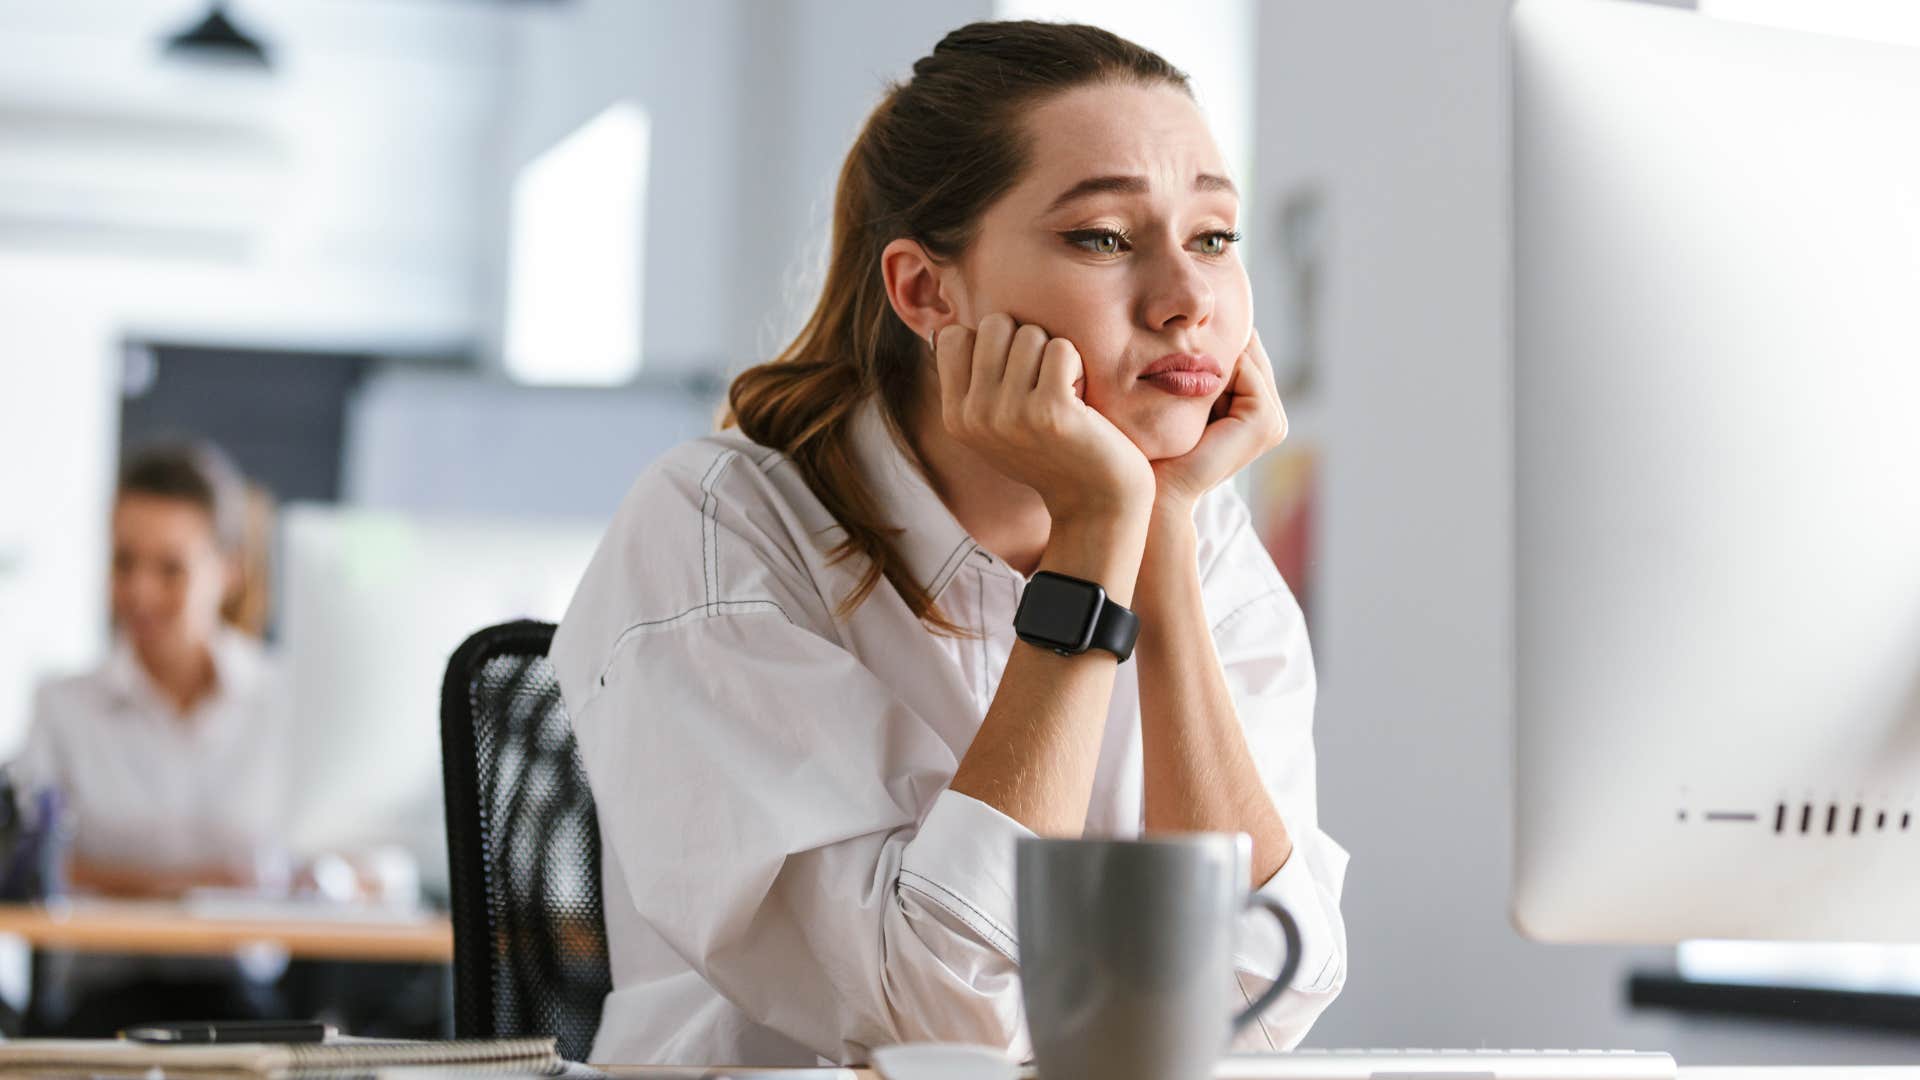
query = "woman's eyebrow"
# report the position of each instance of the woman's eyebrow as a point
(1134, 185)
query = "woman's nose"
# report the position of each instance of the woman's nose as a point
(142, 593)
(1179, 295)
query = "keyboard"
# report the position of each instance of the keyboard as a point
(1448, 1065)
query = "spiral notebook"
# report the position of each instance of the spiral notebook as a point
(111, 1057)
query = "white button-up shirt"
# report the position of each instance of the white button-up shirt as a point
(143, 786)
(788, 879)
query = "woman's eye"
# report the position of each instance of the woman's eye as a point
(1099, 241)
(1111, 242)
(1216, 243)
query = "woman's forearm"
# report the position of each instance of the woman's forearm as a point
(1036, 752)
(1200, 775)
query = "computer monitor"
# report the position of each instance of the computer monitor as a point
(373, 605)
(1717, 464)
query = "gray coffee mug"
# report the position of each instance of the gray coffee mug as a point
(1126, 953)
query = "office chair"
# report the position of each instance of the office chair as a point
(523, 847)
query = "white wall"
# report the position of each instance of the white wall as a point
(752, 104)
(57, 379)
(1399, 111)
(816, 69)
(446, 443)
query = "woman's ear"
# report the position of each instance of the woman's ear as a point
(918, 287)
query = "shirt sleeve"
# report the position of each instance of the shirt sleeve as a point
(783, 822)
(277, 757)
(1260, 635)
(37, 765)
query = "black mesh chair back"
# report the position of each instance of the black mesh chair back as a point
(523, 847)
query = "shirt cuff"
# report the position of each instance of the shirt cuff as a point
(1261, 948)
(963, 860)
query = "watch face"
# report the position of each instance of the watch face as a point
(1058, 611)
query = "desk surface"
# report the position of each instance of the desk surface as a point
(166, 929)
(1700, 1073)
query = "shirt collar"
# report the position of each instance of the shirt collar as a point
(236, 668)
(931, 540)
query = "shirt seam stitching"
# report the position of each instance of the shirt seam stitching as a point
(706, 610)
(1317, 984)
(980, 620)
(1258, 1020)
(1244, 606)
(986, 934)
(1320, 980)
(944, 576)
(991, 930)
(709, 510)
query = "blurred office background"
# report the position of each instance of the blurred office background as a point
(445, 275)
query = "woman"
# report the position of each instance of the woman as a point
(812, 731)
(169, 760)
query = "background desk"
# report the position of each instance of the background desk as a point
(167, 929)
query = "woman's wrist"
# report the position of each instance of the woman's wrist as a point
(1170, 558)
(1104, 548)
(1170, 530)
(1103, 505)
(1171, 510)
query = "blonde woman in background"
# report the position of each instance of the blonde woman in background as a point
(170, 759)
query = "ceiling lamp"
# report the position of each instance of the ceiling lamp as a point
(215, 38)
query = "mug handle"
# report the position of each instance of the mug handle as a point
(1289, 929)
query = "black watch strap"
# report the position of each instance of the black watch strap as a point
(1115, 629)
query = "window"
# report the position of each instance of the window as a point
(573, 272)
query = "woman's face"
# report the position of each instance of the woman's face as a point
(169, 575)
(1117, 239)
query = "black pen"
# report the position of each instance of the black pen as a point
(232, 1031)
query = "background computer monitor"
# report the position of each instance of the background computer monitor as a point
(375, 602)
(1717, 413)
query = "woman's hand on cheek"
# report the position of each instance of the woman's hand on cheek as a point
(1249, 420)
(1008, 393)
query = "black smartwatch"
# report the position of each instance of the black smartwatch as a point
(1070, 616)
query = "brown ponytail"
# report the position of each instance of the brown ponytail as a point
(938, 150)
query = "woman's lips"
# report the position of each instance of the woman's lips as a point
(1185, 383)
(1184, 375)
